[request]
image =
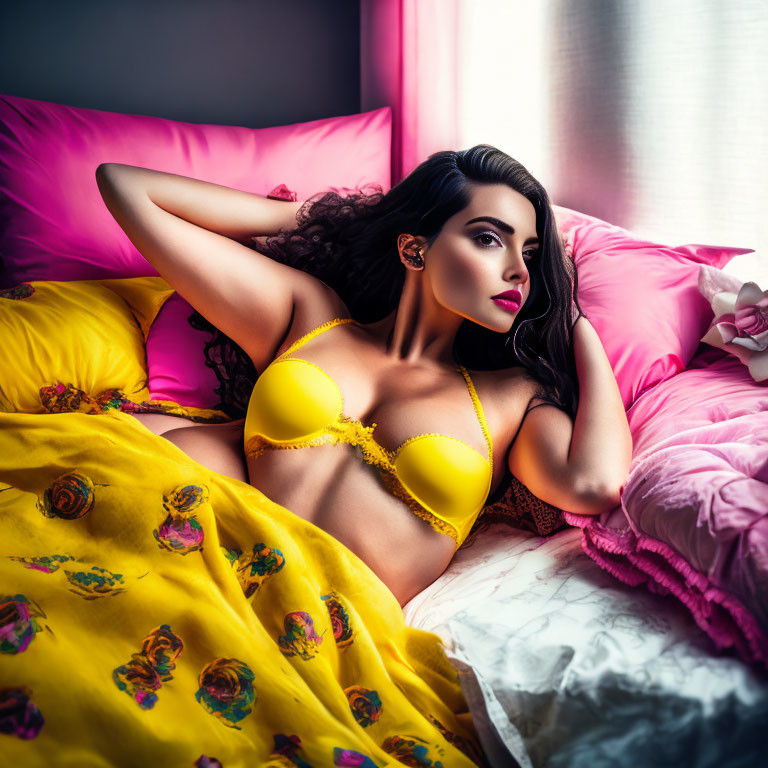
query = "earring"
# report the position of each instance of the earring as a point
(416, 259)
(414, 256)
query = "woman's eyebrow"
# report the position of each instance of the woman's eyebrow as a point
(501, 225)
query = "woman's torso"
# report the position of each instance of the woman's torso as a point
(331, 486)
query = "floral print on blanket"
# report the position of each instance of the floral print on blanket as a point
(286, 752)
(18, 622)
(18, 292)
(254, 568)
(44, 563)
(180, 532)
(340, 623)
(410, 751)
(19, 715)
(215, 658)
(365, 704)
(300, 638)
(70, 496)
(148, 669)
(67, 398)
(95, 583)
(226, 690)
(348, 757)
(89, 584)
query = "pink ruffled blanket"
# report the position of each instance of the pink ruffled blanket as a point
(694, 515)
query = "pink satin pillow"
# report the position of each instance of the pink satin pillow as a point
(54, 224)
(641, 297)
(176, 360)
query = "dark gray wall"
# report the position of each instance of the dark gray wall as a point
(255, 63)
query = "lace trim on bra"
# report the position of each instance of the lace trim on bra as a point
(353, 432)
(314, 332)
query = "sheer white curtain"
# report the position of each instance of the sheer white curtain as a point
(650, 114)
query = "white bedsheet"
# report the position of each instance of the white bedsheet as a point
(563, 665)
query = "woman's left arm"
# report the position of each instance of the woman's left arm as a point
(601, 429)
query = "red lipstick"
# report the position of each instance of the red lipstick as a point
(509, 300)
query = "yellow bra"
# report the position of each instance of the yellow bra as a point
(295, 404)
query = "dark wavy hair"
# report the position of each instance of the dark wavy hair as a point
(350, 243)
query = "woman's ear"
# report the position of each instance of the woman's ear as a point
(411, 251)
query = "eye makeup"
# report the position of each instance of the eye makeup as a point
(533, 252)
(503, 226)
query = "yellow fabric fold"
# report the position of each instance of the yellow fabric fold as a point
(144, 295)
(154, 612)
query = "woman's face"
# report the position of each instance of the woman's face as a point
(469, 263)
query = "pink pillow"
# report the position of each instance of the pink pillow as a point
(642, 297)
(54, 224)
(176, 359)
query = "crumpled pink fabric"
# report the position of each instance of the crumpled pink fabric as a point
(693, 520)
(281, 192)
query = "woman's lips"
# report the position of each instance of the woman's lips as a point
(509, 300)
(510, 306)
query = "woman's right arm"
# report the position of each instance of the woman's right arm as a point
(233, 213)
(579, 465)
(189, 229)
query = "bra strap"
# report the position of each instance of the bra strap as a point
(328, 324)
(480, 414)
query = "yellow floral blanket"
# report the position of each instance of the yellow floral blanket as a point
(156, 613)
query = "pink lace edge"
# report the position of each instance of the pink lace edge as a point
(733, 625)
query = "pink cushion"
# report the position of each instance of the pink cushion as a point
(176, 360)
(54, 224)
(694, 516)
(642, 297)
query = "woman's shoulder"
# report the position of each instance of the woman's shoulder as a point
(504, 394)
(503, 384)
(510, 392)
(318, 298)
(317, 304)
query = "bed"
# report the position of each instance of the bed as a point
(635, 660)
(636, 638)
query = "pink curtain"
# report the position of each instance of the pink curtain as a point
(409, 61)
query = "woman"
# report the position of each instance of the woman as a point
(394, 298)
(233, 594)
